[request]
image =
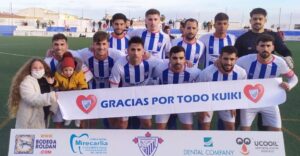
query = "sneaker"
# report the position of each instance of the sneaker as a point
(67, 122)
(77, 123)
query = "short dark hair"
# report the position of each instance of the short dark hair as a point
(229, 50)
(152, 12)
(166, 27)
(137, 40)
(221, 17)
(101, 36)
(265, 38)
(190, 20)
(176, 49)
(118, 16)
(59, 36)
(260, 11)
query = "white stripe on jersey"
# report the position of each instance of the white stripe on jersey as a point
(128, 75)
(211, 73)
(193, 52)
(119, 43)
(166, 76)
(257, 70)
(213, 46)
(158, 44)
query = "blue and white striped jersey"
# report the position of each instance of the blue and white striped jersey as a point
(193, 51)
(119, 43)
(212, 73)
(52, 62)
(167, 76)
(156, 43)
(213, 46)
(129, 75)
(101, 69)
(256, 70)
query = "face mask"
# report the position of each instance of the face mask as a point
(38, 73)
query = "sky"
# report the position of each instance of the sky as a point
(203, 10)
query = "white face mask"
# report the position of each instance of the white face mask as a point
(38, 73)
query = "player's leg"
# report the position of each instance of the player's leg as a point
(204, 119)
(172, 123)
(271, 118)
(247, 117)
(228, 119)
(161, 121)
(57, 119)
(122, 123)
(113, 122)
(145, 122)
(186, 120)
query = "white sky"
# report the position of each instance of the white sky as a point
(238, 10)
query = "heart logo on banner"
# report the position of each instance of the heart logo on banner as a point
(254, 93)
(86, 104)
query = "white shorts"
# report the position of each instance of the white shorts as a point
(140, 117)
(184, 118)
(57, 117)
(270, 116)
(223, 115)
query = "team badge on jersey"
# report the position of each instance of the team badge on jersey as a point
(86, 104)
(148, 144)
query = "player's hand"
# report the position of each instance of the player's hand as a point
(189, 64)
(217, 63)
(285, 86)
(50, 80)
(202, 116)
(233, 113)
(146, 55)
(49, 52)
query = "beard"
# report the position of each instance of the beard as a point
(190, 37)
(177, 66)
(264, 55)
(227, 68)
(119, 33)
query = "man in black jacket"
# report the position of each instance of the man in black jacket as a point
(246, 43)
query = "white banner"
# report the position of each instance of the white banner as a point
(170, 99)
(68, 142)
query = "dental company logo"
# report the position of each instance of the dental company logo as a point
(208, 142)
(24, 144)
(84, 144)
(148, 144)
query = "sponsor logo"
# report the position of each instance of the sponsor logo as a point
(24, 144)
(86, 104)
(45, 144)
(244, 142)
(254, 93)
(266, 146)
(84, 144)
(208, 142)
(148, 144)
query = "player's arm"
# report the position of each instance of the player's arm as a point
(280, 47)
(292, 81)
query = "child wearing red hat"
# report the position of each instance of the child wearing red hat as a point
(69, 76)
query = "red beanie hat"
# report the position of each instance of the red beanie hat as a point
(68, 60)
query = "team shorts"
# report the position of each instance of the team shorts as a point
(223, 115)
(184, 118)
